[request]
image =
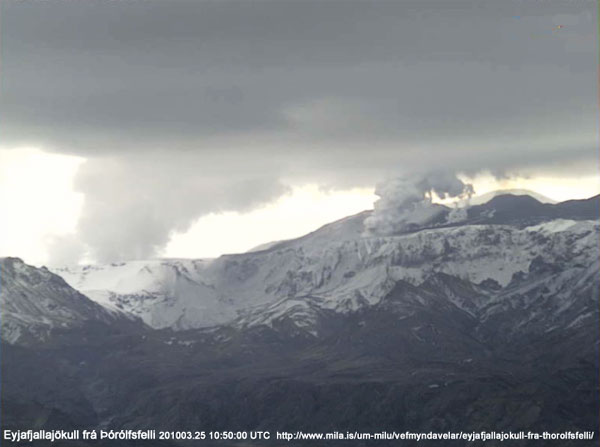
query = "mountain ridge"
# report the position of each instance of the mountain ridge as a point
(338, 263)
(36, 302)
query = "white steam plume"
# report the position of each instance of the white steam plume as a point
(408, 200)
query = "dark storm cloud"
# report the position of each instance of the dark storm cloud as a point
(260, 93)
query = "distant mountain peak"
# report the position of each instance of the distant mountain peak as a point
(483, 198)
(512, 199)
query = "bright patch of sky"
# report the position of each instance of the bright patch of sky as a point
(39, 204)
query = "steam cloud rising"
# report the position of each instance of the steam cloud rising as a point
(131, 212)
(408, 200)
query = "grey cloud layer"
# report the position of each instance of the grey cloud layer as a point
(260, 93)
(98, 76)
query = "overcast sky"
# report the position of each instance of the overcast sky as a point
(161, 112)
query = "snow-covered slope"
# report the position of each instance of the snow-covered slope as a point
(335, 268)
(34, 302)
(163, 293)
(347, 275)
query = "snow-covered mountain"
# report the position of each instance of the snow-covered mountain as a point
(490, 321)
(35, 302)
(341, 269)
